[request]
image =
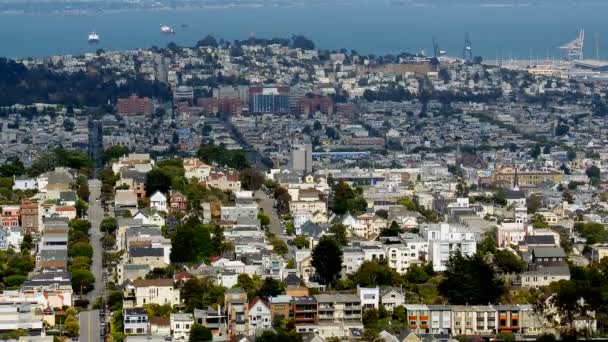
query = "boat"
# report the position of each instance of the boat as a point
(185, 25)
(93, 38)
(166, 29)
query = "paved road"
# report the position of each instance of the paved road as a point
(95, 216)
(267, 203)
(89, 326)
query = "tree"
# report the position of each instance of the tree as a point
(71, 325)
(370, 319)
(301, 242)
(199, 333)
(251, 179)
(108, 225)
(82, 280)
(593, 172)
(535, 152)
(508, 262)
(80, 225)
(81, 208)
(280, 247)
(207, 41)
(301, 42)
(470, 280)
(157, 180)
(245, 282)
(270, 288)
(392, 230)
(191, 242)
(373, 273)
(462, 189)
(80, 249)
(417, 274)
(264, 219)
(114, 152)
(327, 259)
(339, 233)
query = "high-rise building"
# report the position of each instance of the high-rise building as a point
(269, 99)
(301, 158)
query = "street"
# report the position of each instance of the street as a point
(266, 203)
(89, 326)
(95, 216)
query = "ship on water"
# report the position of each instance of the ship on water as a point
(166, 29)
(93, 38)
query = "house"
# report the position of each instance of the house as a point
(140, 162)
(135, 321)
(392, 297)
(59, 181)
(125, 200)
(338, 314)
(260, 316)
(155, 257)
(237, 312)
(155, 291)
(10, 215)
(158, 202)
(369, 297)
(444, 240)
(181, 323)
(134, 180)
(418, 318)
(226, 181)
(547, 256)
(68, 198)
(214, 319)
(304, 313)
(196, 168)
(177, 203)
(543, 276)
(30, 216)
(440, 319)
(24, 183)
(160, 326)
(280, 306)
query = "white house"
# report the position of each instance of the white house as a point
(370, 297)
(158, 201)
(25, 183)
(391, 298)
(260, 316)
(155, 291)
(181, 323)
(444, 240)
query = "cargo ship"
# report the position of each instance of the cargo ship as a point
(93, 38)
(166, 29)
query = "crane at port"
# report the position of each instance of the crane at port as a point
(574, 49)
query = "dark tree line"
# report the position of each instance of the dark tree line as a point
(19, 84)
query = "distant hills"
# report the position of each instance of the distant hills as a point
(92, 6)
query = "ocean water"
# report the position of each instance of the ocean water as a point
(522, 30)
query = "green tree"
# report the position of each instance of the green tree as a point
(338, 231)
(108, 225)
(80, 249)
(327, 259)
(71, 325)
(114, 152)
(393, 230)
(280, 247)
(593, 172)
(508, 262)
(81, 208)
(416, 274)
(157, 180)
(470, 280)
(82, 280)
(301, 242)
(199, 333)
(373, 273)
(270, 288)
(264, 219)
